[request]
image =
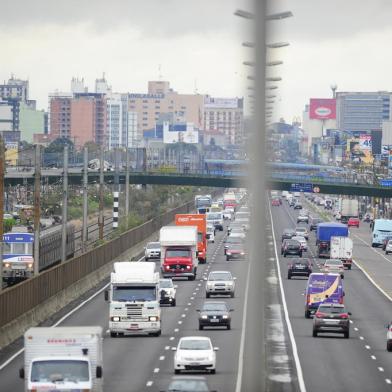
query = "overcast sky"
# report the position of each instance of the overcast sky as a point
(198, 45)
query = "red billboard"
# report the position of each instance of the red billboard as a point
(322, 108)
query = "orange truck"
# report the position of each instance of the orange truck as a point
(198, 220)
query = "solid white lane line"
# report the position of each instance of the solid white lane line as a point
(300, 376)
(149, 383)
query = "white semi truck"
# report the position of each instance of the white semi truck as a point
(342, 248)
(178, 251)
(134, 299)
(63, 359)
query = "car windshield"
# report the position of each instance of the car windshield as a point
(195, 344)
(301, 229)
(178, 253)
(60, 371)
(211, 306)
(299, 261)
(153, 245)
(214, 216)
(166, 284)
(190, 385)
(130, 294)
(332, 309)
(220, 276)
(237, 246)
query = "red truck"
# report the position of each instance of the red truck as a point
(198, 220)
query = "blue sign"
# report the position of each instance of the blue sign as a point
(18, 237)
(387, 182)
(301, 188)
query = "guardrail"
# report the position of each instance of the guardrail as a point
(19, 299)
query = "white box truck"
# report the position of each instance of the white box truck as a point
(134, 299)
(178, 251)
(63, 359)
(342, 248)
(349, 208)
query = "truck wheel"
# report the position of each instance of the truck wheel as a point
(227, 258)
(213, 371)
(373, 245)
(347, 334)
(229, 326)
(288, 276)
(191, 277)
(349, 266)
(157, 333)
(176, 371)
(208, 295)
(314, 333)
(232, 295)
(146, 258)
(173, 303)
(389, 346)
(307, 314)
(200, 327)
(113, 334)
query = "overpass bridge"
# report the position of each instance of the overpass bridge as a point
(275, 180)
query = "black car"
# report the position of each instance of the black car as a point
(231, 240)
(287, 234)
(214, 314)
(292, 247)
(314, 222)
(299, 267)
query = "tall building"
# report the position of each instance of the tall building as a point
(15, 88)
(224, 119)
(31, 121)
(362, 111)
(9, 119)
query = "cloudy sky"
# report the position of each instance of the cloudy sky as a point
(197, 43)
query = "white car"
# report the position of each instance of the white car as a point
(152, 251)
(302, 231)
(195, 353)
(302, 241)
(210, 233)
(227, 214)
(302, 218)
(167, 292)
(220, 283)
(334, 266)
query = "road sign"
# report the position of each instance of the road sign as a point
(387, 182)
(301, 188)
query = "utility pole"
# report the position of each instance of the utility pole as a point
(37, 207)
(85, 201)
(2, 170)
(127, 185)
(100, 217)
(65, 207)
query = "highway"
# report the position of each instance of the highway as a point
(330, 362)
(146, 363)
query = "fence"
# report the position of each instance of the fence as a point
(19, 299)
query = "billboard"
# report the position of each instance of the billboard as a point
(365, 143)
(322, 109)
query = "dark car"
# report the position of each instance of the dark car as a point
(292, 202)
(299, 267)
(231, 240)
(291, 247)
(331, 317)
(287, 234)
(313, 223)
(214, 314)
(297, 206)
(235, 251)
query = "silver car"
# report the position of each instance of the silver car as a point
(388, 248)
(220, 283)
(152, 251)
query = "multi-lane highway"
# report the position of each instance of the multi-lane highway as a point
(330, 362)
(146, 363)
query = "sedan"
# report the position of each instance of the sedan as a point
(220, 282)
(275, 202)
(331, 317)
(215, 314)
(302, 218)
(195, 353)
(235, 251)
(334, 266)
(353, 222)
(313, 223)
(152, 251)
(188, 384)
(231, 240)
(299, 267)
(287, 234)
(237, 232)
(302, 241)
(302, 231)
(292, 248)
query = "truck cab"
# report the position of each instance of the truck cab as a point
(179, 251)
(134, 299)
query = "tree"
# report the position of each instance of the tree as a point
(58, 145)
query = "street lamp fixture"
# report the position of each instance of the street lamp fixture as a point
(248, 44)
(273, 79)
(276, 45)
(270, 96)
(277, 16)
(249, 63)
(273, 63)
(271, 87)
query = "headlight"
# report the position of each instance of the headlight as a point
(188, 267)
(225, 317)
(204, 317)
(228, 253)
(30, 265)
(242, 253)
(116, 319)
(153, 318)
(7, 265)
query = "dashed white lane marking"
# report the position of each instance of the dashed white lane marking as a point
(361, 337)
(367, 347)
(373, 357)
(107, 331)
(197, 289)
(176, 329)
(171, 338)
(351, 321)
(183, 315)
(380, 369)
(156, 370)
(355, 329)
(199, 284)
(189, 303)
(186, 309)
(192, 297)
(388, 381)
(149, 383)
(167, 347)
(162, 358)
(180, 322)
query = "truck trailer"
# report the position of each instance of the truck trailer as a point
(323, 236)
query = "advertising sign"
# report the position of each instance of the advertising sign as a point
(322, 109)
(365, 142)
